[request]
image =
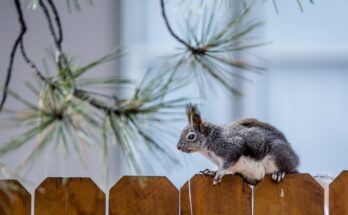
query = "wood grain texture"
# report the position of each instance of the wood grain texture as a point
(297, 194)
(14, 198)
(232, 196)
(338, 195)
(143, 195)
(56, 196)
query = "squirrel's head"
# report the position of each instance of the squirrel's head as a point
(193, 137)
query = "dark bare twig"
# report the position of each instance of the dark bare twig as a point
(59, 25)
(17, 42)
(101, 106)
(164, 15)
(275, 6)
(58, 39)
(9, 70)
(30, 62)
(300, 5)
(50, 23)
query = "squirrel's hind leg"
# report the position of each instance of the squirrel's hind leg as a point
(278, 176)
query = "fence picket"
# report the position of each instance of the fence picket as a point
(297, 194)
(338, 195)
(199, 196)
(56, 196)
(143, 195)
(14, 198)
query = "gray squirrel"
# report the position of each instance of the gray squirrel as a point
(247, 147)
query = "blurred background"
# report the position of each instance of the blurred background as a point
(303, 92)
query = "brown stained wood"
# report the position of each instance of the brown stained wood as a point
(232, 196)
(143, 195)
(338, 195)
(14, 198)
(297, 194)
(56, 196)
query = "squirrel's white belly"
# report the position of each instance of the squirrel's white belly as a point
(254, 169)
(247, 166)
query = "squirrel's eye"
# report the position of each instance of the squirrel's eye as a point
(191, 136)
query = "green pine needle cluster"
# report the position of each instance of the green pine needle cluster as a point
(73, 111)
(213, 47)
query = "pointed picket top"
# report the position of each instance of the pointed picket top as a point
(14, 198)
(338, 194)
(143, 195)
(231, 196)
(296, 194)
(56, 196)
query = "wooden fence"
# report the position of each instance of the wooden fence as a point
(297, 194)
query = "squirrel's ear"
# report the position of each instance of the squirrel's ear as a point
(193, 115)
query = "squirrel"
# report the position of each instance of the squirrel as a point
(248, 147)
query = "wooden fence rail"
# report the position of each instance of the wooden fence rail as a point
(297, 194)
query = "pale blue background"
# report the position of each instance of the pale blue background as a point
(304, 92)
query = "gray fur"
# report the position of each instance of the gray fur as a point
(249, 138)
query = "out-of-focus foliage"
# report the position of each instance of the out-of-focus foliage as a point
(71, 4)
(214, 41)
(73, 111)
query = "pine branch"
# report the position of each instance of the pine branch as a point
(18, 42)
(50, 24)
(275, 6)
(58, 39)
(31, 63)
(211, 44)
(171, 31)
(58, 23)
(85, 96)
(65, 103)
(194, 50)
(298, 3)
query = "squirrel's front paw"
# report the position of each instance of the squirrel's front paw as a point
(278, 176)
(218, 178)
(208, 172)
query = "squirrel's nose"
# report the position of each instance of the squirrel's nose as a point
(179, 146)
